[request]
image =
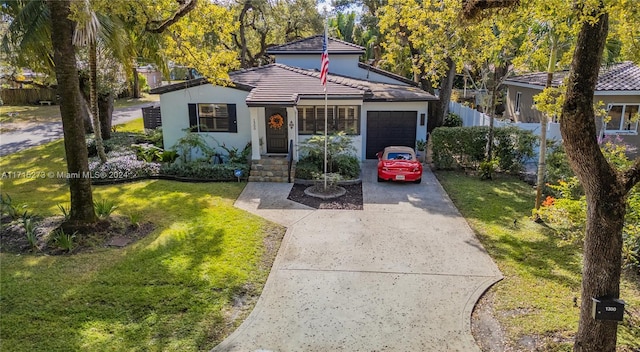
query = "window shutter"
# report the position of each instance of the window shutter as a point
(233, 120)
(193, 117)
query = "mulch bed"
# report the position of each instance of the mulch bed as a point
(352, 200)
(117, 231)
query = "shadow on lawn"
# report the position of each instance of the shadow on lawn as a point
(164, 296)
(502, 208)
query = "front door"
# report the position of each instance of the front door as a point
(276, 122)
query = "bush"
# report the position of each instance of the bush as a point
(237, 156)
(206, 171)
(513, 147)
(348, 166)
(123, 165)
(340, 157)
(92, 149)
(153, 136)
(464, 147)
(305, 169)
(567, 211)
(452, 120)
(193, 144)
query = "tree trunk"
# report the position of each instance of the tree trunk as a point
(85, 113)
(82, 211)
(105, 110)
(136, 84)
(491, 112)
(93, 99)
(605, 193)
(446, 86)
(542, 155)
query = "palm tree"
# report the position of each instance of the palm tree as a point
(86, 33)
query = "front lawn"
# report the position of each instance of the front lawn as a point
(535, 301)
(51, 113)
(182, 288)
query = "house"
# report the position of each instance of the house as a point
(618, 88)
(153, 76)
(283, 103)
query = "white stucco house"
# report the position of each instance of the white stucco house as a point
(276, 104)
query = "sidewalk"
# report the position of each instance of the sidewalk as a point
(401, 275)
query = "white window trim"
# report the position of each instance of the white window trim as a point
(618, 131)
(518, 102)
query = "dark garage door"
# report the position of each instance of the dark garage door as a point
(385, 128)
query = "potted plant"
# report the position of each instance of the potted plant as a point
(421, 150)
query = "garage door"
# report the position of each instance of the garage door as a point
(385, 128)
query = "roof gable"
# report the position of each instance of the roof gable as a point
(624, 76)
(313, 45)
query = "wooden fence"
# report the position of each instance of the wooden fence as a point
(27, 96)
(151, 117)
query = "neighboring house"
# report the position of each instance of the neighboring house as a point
(274, 105)
(153, 76)
(618, 88)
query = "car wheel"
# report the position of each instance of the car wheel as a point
(380, 179)
(418, 180)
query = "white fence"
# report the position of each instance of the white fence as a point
(471, 117)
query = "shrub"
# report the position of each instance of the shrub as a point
(200, 170)
(513, 147)
(65, 210)
(464, 147)
(147, 152)
(193, 144)
(236, 156)
(30, 232)
(92, 149)
(305, 169)
(340, 156)
(153, 136)
(64, 240)
(123, 165)
(104, 208)
(348, 166)
(13, 210)
(567, 212)
(452, 120)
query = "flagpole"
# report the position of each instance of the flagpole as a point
(325, 103)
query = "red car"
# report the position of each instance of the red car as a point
(399, 164)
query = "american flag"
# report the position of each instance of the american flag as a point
(324, 65)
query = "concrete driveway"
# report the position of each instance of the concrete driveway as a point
(401, 275)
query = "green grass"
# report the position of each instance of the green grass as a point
(542, 271)
(40, 114)
(172, 290)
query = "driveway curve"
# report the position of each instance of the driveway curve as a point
(401, 275)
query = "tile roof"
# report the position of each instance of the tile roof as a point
(284, 85)
(624, 76)
(313, 45)
(278, 84)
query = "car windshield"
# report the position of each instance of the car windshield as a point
(399, 156)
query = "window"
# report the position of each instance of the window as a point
(212, 117)
(518, 99)
(339, 118)
(623, 118)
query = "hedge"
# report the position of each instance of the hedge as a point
(465, 147)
